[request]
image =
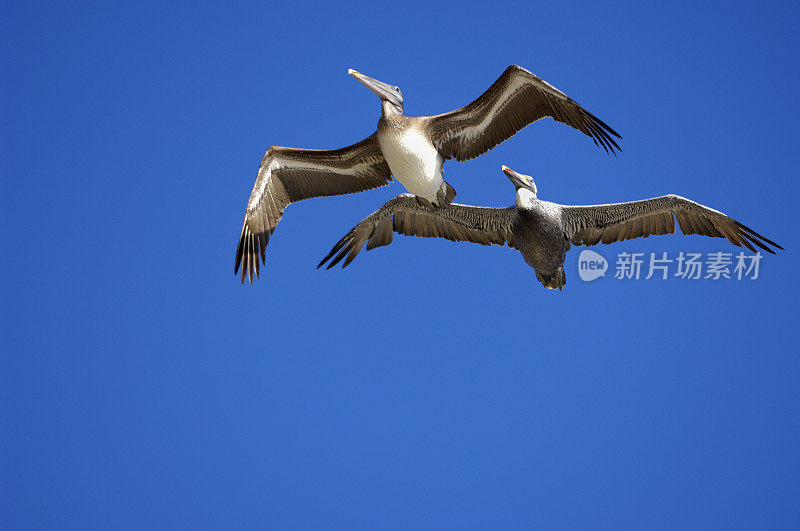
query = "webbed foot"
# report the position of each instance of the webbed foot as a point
(424, 202)
(442, 199)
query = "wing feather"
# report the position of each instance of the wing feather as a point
(517, 99)
(404, 215)
(288, 175)
(589, 225)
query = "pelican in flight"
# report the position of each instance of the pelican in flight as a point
(541, 231)
(410, 148)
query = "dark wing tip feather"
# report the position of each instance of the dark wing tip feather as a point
(597, 137)
(342, 253)
(250, 249)
(333, 251)
(599, 130)
(750, 232)
(604, 125)
(757, 242)
(342, 247)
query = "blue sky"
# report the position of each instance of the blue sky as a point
(430, 384)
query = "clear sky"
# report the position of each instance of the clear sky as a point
(430, 384)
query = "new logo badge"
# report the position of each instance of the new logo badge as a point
(591, 265)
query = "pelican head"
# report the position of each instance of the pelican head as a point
(389, 94)
(526, 188)
(520, 181)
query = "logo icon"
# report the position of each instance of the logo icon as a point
(591, 265)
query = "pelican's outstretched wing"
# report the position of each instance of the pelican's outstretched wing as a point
(288, 175)
(516, 99)
(590, 225)
(404, 215)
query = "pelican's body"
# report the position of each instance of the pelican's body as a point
(540, 230)
(411, 155)
(536, 226)
(413, 149)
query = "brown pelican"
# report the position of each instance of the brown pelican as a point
(412, 148)
(541, 231)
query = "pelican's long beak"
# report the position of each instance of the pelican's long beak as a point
(383, 90)
(518, 180)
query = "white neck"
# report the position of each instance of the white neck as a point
(390, 108)
(525, 198)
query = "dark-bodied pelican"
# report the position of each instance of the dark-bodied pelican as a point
(412, 148)
(541, 231)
